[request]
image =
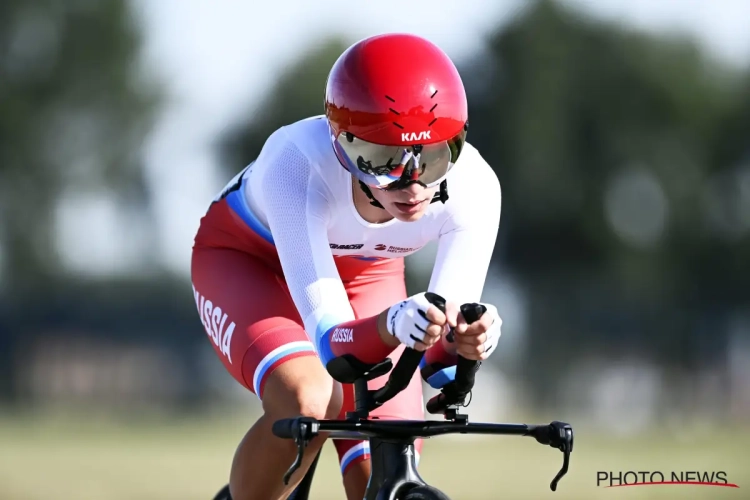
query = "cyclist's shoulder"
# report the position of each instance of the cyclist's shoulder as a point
(302, 148)
(309, 136)
(472, 179)
(296, 160)
(472, 165)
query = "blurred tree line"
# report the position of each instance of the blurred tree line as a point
(626, 172)
(623, 158)
(75, 109)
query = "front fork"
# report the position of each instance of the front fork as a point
(394, 466)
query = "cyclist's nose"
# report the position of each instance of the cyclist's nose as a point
(413, 188)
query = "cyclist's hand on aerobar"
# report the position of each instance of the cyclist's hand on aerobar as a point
(477, 340)
(416, 322)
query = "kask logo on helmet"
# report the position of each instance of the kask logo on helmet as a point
(414, 136)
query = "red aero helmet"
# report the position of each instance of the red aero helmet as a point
(397, 108)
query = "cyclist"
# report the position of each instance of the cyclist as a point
(301, 257)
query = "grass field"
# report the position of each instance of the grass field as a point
(42, 458)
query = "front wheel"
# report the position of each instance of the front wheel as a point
(426, 493)
(223, 494)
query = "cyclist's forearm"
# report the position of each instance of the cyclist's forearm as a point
(367, 339)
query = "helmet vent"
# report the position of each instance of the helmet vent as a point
(431, 110)
(394, 111)
(433, 94)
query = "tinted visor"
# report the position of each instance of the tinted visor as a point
(379, 166)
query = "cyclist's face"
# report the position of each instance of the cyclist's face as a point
(407, 204)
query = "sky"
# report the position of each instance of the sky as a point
(217, 58)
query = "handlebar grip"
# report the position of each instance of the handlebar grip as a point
(473, 312)
(466, 369)
(283, 428)
(436, 300)
(400, 376)
(409, 361)
(407, 364)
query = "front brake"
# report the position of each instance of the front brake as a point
(303, 430)
(558, 435)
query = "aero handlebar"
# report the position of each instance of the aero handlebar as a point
(348, 369)
(453, 393)
(303, 429)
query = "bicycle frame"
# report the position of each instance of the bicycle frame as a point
(394, 468)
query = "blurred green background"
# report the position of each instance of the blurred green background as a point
(622, 267)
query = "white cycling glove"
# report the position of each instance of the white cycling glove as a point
(407, 320)
(493, 333)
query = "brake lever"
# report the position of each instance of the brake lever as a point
(557, 435)
(301, 444)
(563, 470)
(561, 437)
(302, 434)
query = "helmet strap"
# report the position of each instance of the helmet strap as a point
(373, 201)
(441, 195)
